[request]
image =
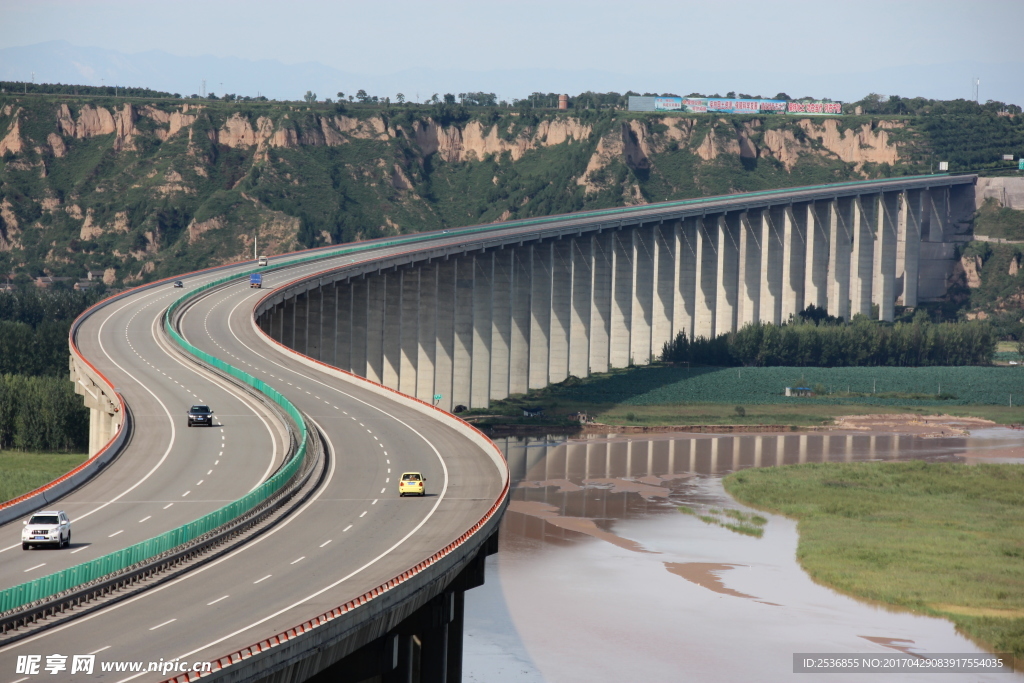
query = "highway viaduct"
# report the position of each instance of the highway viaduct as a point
(354, 335)
(492, 312)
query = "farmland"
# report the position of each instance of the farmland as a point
(707, 395)
(873, 385)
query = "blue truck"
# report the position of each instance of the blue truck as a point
(256, 281)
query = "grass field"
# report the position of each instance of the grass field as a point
(942, 539)
(23, 471)
(666, 395)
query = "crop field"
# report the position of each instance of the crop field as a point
(649, 386)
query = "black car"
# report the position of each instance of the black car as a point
(200, 415)
(178, 284)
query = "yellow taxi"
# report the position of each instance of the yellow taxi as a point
(411, 483)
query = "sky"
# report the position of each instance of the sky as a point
(746, 45)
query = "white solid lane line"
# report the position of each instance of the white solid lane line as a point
(79, 550)
(325, 543)
(298, 560)
(168, 505)
(364, 513)
(116, 533)
(169, 621)
(145, 518)
(186, 493)
(224, 597)
(346, 528)
(263, 579)
(36, 567)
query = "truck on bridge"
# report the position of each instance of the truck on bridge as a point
(256, 281)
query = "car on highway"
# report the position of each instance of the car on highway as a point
(411, 483)
(200, 415)
(178, 284)
(50, 527)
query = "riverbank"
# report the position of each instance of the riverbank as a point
(24, 471)
(937, 538)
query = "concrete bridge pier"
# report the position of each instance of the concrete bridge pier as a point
(104, 407)
(425, 647)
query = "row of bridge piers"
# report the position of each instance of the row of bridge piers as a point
(483, 322)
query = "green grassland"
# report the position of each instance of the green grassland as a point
(24, 471)
(665, 395)
(937, 538)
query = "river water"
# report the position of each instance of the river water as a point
(600, 578)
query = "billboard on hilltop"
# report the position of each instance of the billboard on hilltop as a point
(815, 108)
(731, 105)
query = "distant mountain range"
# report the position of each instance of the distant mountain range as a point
(62, 62)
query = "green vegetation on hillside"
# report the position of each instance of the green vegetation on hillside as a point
(938, 538)
(994, 220)
(145, 188)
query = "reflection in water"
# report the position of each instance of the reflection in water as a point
(602, 579)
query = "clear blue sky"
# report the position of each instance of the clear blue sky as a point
(655, 36)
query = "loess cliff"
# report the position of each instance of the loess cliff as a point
(139, 189)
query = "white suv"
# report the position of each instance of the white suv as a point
(50, 527)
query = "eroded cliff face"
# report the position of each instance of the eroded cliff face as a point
(203, 176)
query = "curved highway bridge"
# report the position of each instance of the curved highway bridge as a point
(322, 569)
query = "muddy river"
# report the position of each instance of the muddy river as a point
(601, 578)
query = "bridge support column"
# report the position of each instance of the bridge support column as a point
(601, 301)
(840, 219)
(300, 331)
(501, 321)
(360, 292)
(462, 357)
(581, 264)
(561, 309)
(749, 296)
(664, 286)
(444, 364)
(794, 253)
(913, 203)
(427, 344)
(391, 341)
(329, 324)
(94, 431)
(886, 216)
(483, 329)
(519, 349)
(641, 305)
(685, 277)
(343, 340)
(622, 299)
(818, 233)
(409, 333)
(314, 323)
(707, 278)
(862, 261)
(726, 295)
(540, 313)
(770, 308)
(938, 214)
(375, 299)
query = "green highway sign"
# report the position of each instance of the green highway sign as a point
(1020, 164)
(438, 397)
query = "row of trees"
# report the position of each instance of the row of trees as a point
(39, 410)
(42, 414)
(860, 343)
